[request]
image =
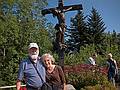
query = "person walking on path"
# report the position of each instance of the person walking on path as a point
(92, 59)
(112, 69)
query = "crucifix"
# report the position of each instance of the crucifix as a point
(61, 27)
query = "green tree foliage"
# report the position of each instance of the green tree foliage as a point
(78, 32)
(16, 32)
(24, 24)
(111, 44)
(52, 31)
(114, 37)
(87, 78)
(84, 32)
(118, 41)
(96, 28)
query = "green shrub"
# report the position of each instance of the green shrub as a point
(100, 87)
(87, 78)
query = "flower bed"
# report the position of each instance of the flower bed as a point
(83, 68)
(83, 75)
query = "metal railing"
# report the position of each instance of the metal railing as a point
(13, 86)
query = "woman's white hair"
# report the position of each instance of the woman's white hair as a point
(48, 55)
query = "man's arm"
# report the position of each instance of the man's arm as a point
(18, 84)
(20, 75)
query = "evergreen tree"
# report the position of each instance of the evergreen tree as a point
(77, 32)
(96, 28)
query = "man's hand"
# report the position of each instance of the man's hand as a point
(18, 84)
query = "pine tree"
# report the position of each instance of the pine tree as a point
(77, 32)
(96, 28)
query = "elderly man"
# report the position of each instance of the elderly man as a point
(28, 71)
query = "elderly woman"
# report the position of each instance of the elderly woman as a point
(54, 73)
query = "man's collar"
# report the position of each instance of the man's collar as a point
(33, 61)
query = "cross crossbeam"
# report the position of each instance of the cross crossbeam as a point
(74, 7)
(61, 27)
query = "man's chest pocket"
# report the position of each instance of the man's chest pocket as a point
(29, 72)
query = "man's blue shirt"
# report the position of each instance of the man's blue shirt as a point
(27, 71)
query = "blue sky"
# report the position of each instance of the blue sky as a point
(108, 9)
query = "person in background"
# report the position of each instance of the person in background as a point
(112, 69)
(28, 72)
(54, 73)
(92, 59)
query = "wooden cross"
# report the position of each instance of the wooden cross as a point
(59, 13)
(60, 10)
